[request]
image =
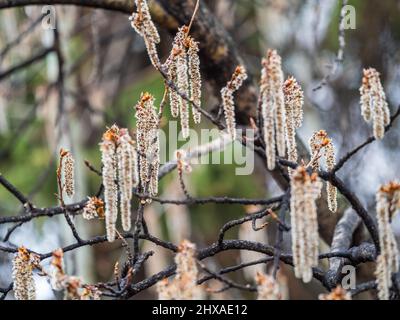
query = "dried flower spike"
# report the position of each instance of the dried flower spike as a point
(373, 102)
(267, 287)
(228, 104)
(24, 285)
(306, 190)
(319, 142)
(387, 204)
(148, 147)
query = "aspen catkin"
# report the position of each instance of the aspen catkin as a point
(387, 204)
(305, 191)
(147, 143)
(23, 285)
(294, 99)
(227, 99)
(109, 173)
(267, 287)
(319, 142)
(373, 102)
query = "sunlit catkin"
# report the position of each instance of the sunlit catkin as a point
(228, 104)
(68, 172)
(184, 285)
(183, 69)
(142, 23)
(109, 174)
(387, 204)
(23, 285)
(94, 208)
(195, 78)
(127, 179)
(267, 287)
(148, 147)
(294, 100)
(321, 146)
(373, 102)
(305, 190)
(272, 106)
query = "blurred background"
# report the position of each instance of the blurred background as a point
(105, 70)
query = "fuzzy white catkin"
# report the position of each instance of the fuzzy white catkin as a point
(126, 178)
(94, 208)
(272, 88)
(142, 23)
(195, 79)
(109, 174)
(184, 285)
(267, 288)
(387, 204)
(294, 100)
(268, 116)
(24, 284)
(238, 77)
(318, 142)
(68, 174)
(303, 211)
(373, 102)
(183, 85)
(147, 137)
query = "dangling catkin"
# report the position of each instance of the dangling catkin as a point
(183, 69)
(109, 174)
(318, 142)
(228, 104)
(373, 102)
(147, 143)
(126, 175)
(68, 172)
(183, 85)
(184, 285)
(387, 204)
(94, 208)
(305, 190)
(267, 287)
(294, 100)
(144, 26)
(24, 285)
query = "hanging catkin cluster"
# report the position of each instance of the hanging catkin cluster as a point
(144, 26)
(67, 165)
(184, 285)
(336, 294)
(183, 68)
(294, 100)
(228, 104)
(272, 106)
(119, 173)
(387, 204)
(374, 106)
(305, 190)
(94, 208)
(320, 141)
(148, 145)
(267, 287)
(71, 285)
(24, 285)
